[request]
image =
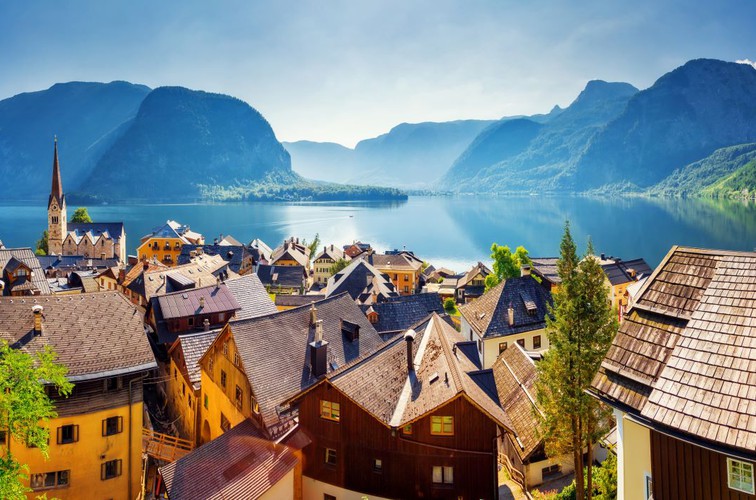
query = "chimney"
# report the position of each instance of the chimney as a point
(202, 302)
(206, 325)
(525, 270)
(145, 265)
(631, 272)
(313, 315)
(603, 256)
(319, 352)
(510, 314)
(409, 337)
(37, 311)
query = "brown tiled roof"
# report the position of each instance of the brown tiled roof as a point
(515, 376)
(686, 357)
(205, 300)
(26, 256)
(469, 275)
(546, 268)
(239, 463)
(202, 271)
(95, 335)
(380, 383)
(395, 262)
(275, 348)
(137, 270)
(251, 295)
(194, 346)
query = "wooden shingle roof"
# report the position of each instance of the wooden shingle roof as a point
(685, 358)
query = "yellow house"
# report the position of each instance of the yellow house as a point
(291, 253)
(164, 243)
(619, 275)
(96, 440)
(514, 311)
(403, 271)
(324, 261)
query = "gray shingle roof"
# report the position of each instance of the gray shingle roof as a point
(284, 276)
(619, 271)
(113, 229)
(401, 313)
(205, 300)
(95, 335)
(359, 279)
(240, 463)
(233, 254)
(194, 345)
(25, 255)
(202, 271)
(250, 293)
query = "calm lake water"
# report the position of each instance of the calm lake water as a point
(453, 232)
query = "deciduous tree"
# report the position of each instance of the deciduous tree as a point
(338, 266)
(81, 215)
(580, 332)
(25, 408)
(42, 248)
(506, 264)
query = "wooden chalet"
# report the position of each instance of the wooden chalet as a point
(681, 378)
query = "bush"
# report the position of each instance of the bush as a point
(450, 306)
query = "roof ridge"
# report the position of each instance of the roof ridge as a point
(401, 404)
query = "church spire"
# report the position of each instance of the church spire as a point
(57, 186)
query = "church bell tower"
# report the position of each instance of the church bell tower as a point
(56, 211)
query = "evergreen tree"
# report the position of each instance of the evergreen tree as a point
(580, 333)
(24, 405)
(42, 248)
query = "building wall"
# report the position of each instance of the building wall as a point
(405, 281)
(107, 283)
(146, 250)
(407, 459)
(489, 348)
(183, 400)
(636, 459)
(85, 457)
(322, 270)
(56, 231)
(683, 470)
(534, 470)
(312, 489)
(284, 488)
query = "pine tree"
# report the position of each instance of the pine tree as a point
(580, 333)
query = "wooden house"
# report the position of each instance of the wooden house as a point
(681, 378)
(472, 284)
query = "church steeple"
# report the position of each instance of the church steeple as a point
(57, 186)
(57, 225)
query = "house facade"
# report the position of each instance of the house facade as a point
(96, 439)
(164, 244)
(679, 376)
(323, 263)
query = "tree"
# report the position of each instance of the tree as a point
(42, 248)
(450, 306)
(580, 329)
(312, 246)
(506, 264)
(81, 215)
(338, 266)
(25, 408)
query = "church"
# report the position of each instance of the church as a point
(93, 240)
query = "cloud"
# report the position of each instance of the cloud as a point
(747, 61)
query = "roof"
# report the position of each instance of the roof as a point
(397, 262)
(205, 300)
(382, 385)
(15, 255)
(74, 262)
(229, 240)
(172, 229)
(239, 463)
(489, 315)
(202, 271)
(360, 279)
(233, 254)
(469, 275)
(400, 313)
(95, 335)
(263, 249)
(284, 276)
(194, 345)
(546, 268)
(288, 300)
(275, 348)
(621, 271)
(113, 230)
(56, 190)
(515, 376)
(332, 252)
(251, 295)
(684, 358)
(291, 249)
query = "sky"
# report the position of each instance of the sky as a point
(342, 71)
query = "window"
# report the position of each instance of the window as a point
(740, 475)
(502, 347)
(522, 343)
(190, 321)
(330, 410)
(236, 358)
(407, 429)
(175, 373)
(406, 289)
(377, 465)
(225, 348)
(239, 397)
(254, 404)
(112, 425)
(443, 475)
(406, 277)
(480, 346)
(223, 379)
(225, 424)
(47, 480)
(330, 456)
(112, 384)
(207, 402)
(536, 342)
(649, 487)
(210, 365)
(183, 389)
(442, 426)
(326, 496)
(68, 434)
(110, 469)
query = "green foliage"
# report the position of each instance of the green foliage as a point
(739, 184)
(338, 266)
(604, 485)
(506, 264)
(42, 248)
(81, 215)
(25, 407)
(312, 246)
(450, 306)
(580, 333)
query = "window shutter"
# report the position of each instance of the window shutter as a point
(60, 435)
(102, 471)
(118, 467)
(120, 424)
(105, 427)
(75, 433)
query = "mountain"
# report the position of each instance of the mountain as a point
(532, 153)
(683, 117)
(86, 117)
(739, 184)
(181, 140)
(694, 178)
(409, 155)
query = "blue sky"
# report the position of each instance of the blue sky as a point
(346, 70)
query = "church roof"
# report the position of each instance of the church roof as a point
(57, 186)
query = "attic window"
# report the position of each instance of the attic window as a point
(350, 330)
(530, 305)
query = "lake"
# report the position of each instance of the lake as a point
(453, 232)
